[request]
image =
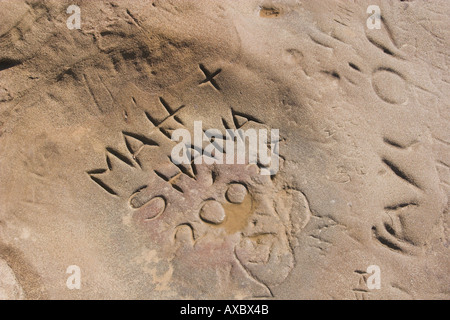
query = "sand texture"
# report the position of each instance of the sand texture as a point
(87, 182)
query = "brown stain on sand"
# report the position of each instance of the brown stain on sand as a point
(26, 275)
(237, 216)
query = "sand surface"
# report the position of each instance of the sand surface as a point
(363, 152)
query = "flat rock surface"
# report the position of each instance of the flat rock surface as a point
(355, 197)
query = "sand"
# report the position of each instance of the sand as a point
(356, 208)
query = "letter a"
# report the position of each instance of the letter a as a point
(374, 281)
(74, 21)
(374, 21)
(179, 154)
(74, 281)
